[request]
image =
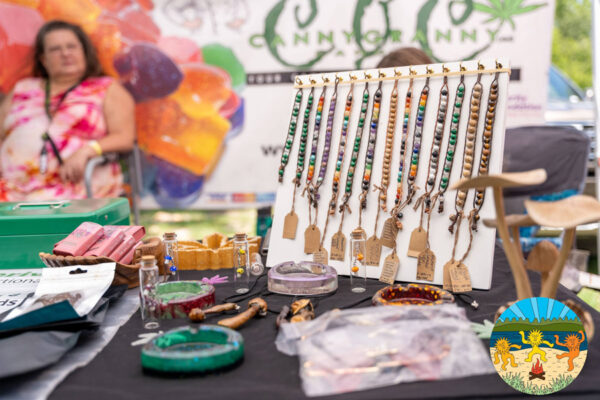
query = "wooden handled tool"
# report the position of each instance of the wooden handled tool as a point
(255, 306)
(198, 315)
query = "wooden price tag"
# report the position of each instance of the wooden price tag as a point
(418, 242)
(461, 280)
(320, 256)
(290, 224)
(426, 265)
(312, 239)
(338, 246)
(390, 269)
(390, 231)
(373, 251)
(447, 279)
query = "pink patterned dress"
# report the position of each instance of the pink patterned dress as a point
(79, 118)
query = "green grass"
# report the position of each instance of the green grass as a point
(195, 224)
(516, 381)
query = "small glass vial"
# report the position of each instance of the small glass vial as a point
(149, 278)
(256, 266)
(171, 255)
(358, 268)
(241, 263)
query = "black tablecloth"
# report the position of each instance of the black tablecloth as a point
(265, 373)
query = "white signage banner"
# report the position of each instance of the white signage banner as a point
(272, 38)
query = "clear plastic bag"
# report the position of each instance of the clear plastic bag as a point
(359, 349)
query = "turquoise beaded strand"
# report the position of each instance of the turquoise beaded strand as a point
(289, 140)
(452, 141)
(304, 138)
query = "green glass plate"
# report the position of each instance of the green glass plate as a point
(188, 349)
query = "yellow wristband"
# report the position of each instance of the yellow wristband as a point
(96, 146)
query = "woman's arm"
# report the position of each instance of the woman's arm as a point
(4, 107)
(119, 114)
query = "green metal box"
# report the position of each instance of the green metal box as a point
(26, 229)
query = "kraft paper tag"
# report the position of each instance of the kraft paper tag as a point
(418, 242)
(373, 251)
(338, 246)
(290, 224)
(447, 280)
(390, 231)
(320, 256)
(312, 239)
(426, 265)
(390, 269)
(461, 280)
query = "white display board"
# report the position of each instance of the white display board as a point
(480, 259)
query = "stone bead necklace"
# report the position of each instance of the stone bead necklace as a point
(289, 140)
(469, 149)
(356, 148)
(452, 142)
(486, 148)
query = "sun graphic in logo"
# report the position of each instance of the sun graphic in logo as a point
(538, 346)
(535, 337)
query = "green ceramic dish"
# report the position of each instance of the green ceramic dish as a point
(193, 350)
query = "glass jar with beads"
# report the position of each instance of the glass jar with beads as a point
(358, 266)
(241, 263)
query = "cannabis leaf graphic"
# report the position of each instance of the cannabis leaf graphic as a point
(504, 11)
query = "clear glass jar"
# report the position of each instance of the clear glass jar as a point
(358, 266)
(149, 278)
(241, 263)
(171, 255)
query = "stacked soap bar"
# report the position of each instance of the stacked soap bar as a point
(113, 241)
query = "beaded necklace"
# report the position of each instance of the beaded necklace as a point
(469, 149)
(486, 148)
(456, 274)
(289, 140)
(416, 146)
(291, 217)
(373, 245)
(394, 224)
(421, 248)
(451, 147)
(458, 268)
(337, 173)
(355, 151)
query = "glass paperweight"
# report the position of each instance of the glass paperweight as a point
(303, 278)
(193, 350)
(411, 294)
(176, 299)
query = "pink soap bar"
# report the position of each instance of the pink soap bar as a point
(107, 243)
(128, 257)
(80, 240)
(123, 248)
(137, 232)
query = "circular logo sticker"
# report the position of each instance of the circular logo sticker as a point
(538, 346)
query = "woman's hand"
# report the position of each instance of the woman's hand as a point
(73, 167)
